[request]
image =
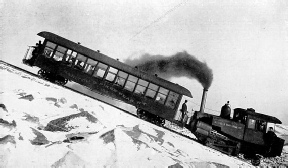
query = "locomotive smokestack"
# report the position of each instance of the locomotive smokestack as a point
(203, 102)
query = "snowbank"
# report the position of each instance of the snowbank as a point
(45, 125)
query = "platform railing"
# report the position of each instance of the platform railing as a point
(28, 54)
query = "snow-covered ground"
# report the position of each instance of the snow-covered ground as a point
(45, 125)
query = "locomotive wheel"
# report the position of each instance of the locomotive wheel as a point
(248, 156)
(42, 73)
(61, 82)
(65, 81)
(237, 149)
(208, 142)
(162, 122)
(256, 160)
(140, 113)
(230, 151)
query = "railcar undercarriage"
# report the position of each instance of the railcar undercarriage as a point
(144, 115)
(54, 78)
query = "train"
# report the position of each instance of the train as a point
(156, 100)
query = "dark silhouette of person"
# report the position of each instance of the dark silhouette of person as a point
(270, 138)
(271, 134)
(35, 52)
(37, 47)
(183, 110)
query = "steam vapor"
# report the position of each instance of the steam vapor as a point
(181, 64)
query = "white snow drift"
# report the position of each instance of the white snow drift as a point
(45, 125)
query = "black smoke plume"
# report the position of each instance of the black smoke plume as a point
(181, 64)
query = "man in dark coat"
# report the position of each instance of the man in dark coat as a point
(271, 134)
(270, 138)
(35, 53)
(183, 110)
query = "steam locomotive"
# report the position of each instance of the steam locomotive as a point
(157, 100)
(247, 132)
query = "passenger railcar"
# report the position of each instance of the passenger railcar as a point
(60, 60)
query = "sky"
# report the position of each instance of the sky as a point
(243, 42)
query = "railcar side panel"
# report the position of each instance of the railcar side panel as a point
(106, 87)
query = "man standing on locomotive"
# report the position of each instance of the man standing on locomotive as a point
(270, 138)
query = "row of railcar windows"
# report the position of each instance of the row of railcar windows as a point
(120, 78)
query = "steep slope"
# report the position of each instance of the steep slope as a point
(45, 125)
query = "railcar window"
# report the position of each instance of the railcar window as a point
(131, 82)
(100, 70)
(121, 78)
(72, 58)
(141, 87)
(60, 51)
(90, 66)
(50, 44)
(111, 74)
(151, 91)
(49, 48)
(172, 99)
(80, 61)
(67, 55)
(251, 123)
(161, 96)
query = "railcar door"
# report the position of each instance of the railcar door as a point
(187, 114)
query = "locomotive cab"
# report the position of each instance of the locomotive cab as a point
(257, 135)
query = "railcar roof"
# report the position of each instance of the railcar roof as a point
(115, 63)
